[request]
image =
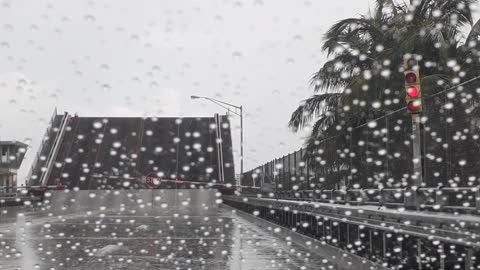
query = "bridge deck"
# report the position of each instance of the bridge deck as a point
(147, 230)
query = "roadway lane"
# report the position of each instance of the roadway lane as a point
(144, 234)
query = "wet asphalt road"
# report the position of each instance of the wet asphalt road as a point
(201, 234)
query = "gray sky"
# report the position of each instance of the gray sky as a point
(145, 58)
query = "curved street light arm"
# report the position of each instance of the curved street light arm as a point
(219, 101)
(223, 105)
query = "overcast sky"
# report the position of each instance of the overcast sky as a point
(145, 58)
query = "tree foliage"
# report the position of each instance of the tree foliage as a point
(363, 78)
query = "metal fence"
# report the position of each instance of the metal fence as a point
(378, 154)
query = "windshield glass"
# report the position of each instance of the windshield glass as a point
(240, 134)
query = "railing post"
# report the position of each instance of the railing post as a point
(441, 247)
(384, 245)
(348, 234)
(477, 199)
(289, 178)
(295, 166)
(381, 199)
(412, 201)
(440, 198)
(275, 176)
(468, 259)
(283, 173)
(419, 253)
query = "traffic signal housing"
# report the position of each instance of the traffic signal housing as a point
(413, 91)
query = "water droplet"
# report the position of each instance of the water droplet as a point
(290, 61)
(237, 56)
(89, 18)
(448, 106)
(156, 68)
(106, 87)
(238, 4)
(437, 13)
(8, 27)
(372, 124)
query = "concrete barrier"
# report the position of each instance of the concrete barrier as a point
(133, 202)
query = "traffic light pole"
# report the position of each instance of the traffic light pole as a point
(413, 200)
(417, 152)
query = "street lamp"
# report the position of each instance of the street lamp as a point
(224, 105)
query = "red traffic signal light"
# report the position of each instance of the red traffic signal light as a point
(411, 77)
(413, 92)
(414, 105)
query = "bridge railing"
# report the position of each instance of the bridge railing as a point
(436, 199)
(46, 142)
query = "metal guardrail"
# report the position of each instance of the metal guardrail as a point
(438, 199)
(18, 194)
(389, 237)
(42, 145)
(54, 150)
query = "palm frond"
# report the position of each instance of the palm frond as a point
(313, 107)
(474, 33)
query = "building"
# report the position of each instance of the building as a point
(11, 157)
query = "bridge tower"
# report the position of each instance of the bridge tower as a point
(11, 157)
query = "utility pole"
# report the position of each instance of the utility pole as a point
(417, 153)
(224, 104)
(241, 144)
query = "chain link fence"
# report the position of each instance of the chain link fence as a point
(378, 154)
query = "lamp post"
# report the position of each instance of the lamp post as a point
(224, 105)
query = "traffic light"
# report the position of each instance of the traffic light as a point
(412, 84)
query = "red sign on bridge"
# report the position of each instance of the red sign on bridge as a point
(152, 180)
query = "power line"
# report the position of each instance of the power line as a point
(403, 108)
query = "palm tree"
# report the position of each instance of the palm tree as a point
(363, 78)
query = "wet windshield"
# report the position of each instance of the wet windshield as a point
(259, 134)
